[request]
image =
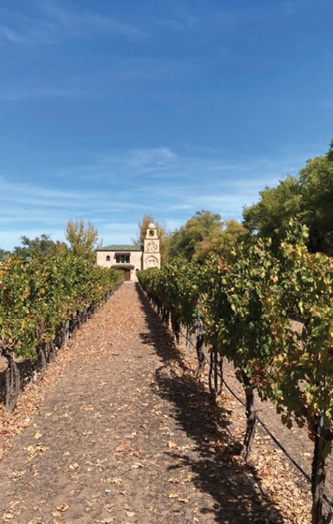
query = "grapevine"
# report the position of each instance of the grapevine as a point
(40, 302)
(247, 309)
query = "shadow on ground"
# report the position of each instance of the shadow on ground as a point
(218, 471)
(26, 369)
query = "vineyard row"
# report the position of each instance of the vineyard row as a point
(41, 303)
(246, 311)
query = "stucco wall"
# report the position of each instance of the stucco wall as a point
(135, 260)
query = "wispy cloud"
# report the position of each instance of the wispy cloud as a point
(169, 184)
(155, 158)
(76, 23)
(52, 23)
(27, 30)
(164, 163)
(13, 36)
(28, 192)
(32, 209)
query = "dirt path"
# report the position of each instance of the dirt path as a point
(120, 431)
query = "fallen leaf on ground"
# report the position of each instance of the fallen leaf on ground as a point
(173, 495)
(122, 448)
(63, 507)
(116, 481)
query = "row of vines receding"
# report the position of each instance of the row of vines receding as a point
(245, 311)
(41, 303)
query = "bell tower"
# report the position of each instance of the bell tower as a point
(151, 248)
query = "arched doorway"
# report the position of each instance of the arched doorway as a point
(126, 268)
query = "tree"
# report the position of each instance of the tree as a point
(161, 233)
(83, 241)
(204, 234)
(316, 181)
(270, 217)
(60, 248)
(309, 197)
(142, 229)
(4, 253)
(42, 244)
(222, 241)
(197, 230)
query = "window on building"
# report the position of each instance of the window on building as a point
(152, 262)
(108, 258)
(122, 259)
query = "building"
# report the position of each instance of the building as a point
(132, 258)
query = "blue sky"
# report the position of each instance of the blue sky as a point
(112, 109)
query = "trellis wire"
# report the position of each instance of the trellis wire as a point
(263, 425)
(292, 460)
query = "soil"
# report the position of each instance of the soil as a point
(121, 431)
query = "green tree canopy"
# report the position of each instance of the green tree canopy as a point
(4, 253)
(316, 180)
(277, 206)
(309, 197)
(83, 240)
(197, 230)
(42, 244)
(203, 234)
